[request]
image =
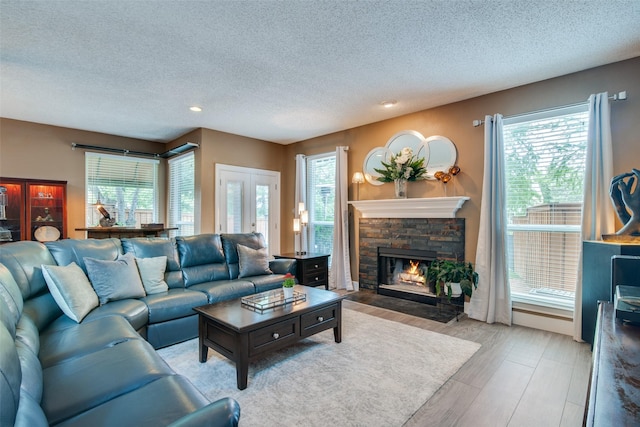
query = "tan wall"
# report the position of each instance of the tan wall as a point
(30, 150)
(455, 122)
(235, 150)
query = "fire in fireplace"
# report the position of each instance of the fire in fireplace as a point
(403, 273)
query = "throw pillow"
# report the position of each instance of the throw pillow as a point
(70, 289)
(115, 280)
(152, 274)
(252, 262)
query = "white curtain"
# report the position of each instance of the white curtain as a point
(491, 302)
(598, 216)
(340, 271)
(300, 197)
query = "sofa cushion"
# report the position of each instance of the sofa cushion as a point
(174, 304)
(79, 384)
(267, 282)
(252, 262)
(224, 290)
(59, 345)
(200, 250)
(71, 289)
(30, 413)
(24, 260)
(10, 378)
(133, 310)
(10, 293)
(31, 371)
(152, 274)
(67, 251)
(146, 247)
(115, 280)
(174, 394)
(230, 242)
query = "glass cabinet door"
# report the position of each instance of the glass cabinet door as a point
(11, 210)
(46, 210)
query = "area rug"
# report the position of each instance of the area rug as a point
(379, 375)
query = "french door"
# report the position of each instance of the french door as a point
(248, 200)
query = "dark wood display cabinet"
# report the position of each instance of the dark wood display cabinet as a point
(311, 269)
(33, 209)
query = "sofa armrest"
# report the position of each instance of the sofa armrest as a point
(221, 413)
(283, 266)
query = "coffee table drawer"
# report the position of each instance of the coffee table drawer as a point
(319, 320)
(273, 336)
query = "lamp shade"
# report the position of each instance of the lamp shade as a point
(296, 225)
(358, 178)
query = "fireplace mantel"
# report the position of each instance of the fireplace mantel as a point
(430, 207)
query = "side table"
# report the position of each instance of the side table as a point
(311, 269)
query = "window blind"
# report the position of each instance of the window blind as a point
(125, 186)
(182, 195)
(545, 164)
(321, 176)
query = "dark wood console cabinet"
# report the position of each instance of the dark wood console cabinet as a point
(614, 389)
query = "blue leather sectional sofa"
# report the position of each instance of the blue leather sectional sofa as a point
(102, 370)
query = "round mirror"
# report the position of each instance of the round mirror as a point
(442, 155)
(406, 138)
(372, 162)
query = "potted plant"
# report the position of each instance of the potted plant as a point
(453, 274)
(287, 285)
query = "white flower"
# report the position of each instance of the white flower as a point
(406, 151)
(408, 172)
(402, 159)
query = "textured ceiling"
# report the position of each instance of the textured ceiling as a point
(285, 71)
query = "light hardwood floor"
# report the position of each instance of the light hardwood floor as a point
(519, 377)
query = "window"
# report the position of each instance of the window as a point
(321, 178)
(544, 163)
(125, 186)
(182, 195)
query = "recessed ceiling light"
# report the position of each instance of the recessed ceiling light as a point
(195, 109)
(388, 104)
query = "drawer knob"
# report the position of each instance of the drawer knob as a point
(320, 318)
(317, 277)
(275, 335)
(316, 266)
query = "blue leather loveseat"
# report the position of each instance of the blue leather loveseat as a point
(100, 367)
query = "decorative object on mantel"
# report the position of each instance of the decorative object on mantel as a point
(447, 176)
(400, 168)
(358, 178)
(625, 197)
(430, 207)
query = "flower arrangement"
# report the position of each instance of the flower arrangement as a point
(289, 281)
(404, 165)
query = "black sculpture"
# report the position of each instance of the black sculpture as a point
(626, 200)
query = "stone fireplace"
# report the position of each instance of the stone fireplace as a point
(395, 233)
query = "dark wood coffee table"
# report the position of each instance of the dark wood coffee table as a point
(241, 334)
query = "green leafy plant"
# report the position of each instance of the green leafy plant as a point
(403, 165)
(443, 271)
(289, 281)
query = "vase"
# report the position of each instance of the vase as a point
(401, 188)
(288, 293)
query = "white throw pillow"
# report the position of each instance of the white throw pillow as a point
(71, 289)
(152, 274)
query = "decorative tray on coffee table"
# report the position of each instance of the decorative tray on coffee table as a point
(271, 299)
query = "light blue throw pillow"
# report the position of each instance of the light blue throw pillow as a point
(152, 274)
(115, 280)
(70, 289)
